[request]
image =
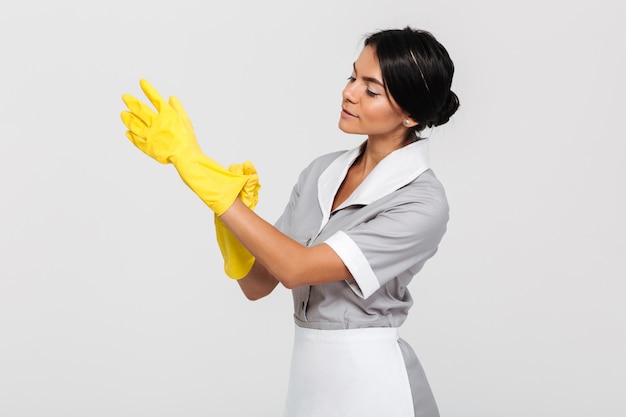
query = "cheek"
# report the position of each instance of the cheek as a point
(382, 113)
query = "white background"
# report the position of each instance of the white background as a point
(112, 297)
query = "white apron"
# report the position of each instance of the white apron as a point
(346, 373)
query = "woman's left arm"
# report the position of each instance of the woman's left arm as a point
(291, 263)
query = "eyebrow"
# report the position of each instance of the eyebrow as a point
(370, 79)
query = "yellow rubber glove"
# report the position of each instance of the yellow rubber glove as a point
(237, 260)
(167, 136)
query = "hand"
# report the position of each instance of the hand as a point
(250, 192)
(164, 135)
(167, 136)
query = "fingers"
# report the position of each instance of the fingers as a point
(134, 124)
(253, 182)
(250, 192)
(139, 109)
(248, 168)
(236, 169)
(155, 98)
(136, 140)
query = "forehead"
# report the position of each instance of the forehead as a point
(367, 63)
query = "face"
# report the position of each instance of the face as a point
(366, 109)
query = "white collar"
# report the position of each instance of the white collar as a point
(395, 171)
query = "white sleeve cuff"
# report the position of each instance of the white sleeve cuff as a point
(364, 282)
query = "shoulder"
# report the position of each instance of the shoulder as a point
(424, 197)
(427, 186)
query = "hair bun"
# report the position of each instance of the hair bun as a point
(449, 108)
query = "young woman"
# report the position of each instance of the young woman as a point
(358, 226)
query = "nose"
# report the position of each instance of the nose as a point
(348, 93)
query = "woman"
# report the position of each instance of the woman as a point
(359, 225)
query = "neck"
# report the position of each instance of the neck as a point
(375, 151)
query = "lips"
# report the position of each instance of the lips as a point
(347, 113)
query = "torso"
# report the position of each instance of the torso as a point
(335, 305)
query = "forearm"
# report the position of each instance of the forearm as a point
(291, 263)
(258, 283)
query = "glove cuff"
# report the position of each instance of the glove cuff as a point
(237, 260)
(215, 185)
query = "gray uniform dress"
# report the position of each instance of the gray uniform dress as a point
(384, 233)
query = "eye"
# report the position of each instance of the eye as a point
(371, 93)
(351, 79)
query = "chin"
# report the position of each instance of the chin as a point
(347, 129)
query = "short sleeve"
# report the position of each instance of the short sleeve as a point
(399, 238)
